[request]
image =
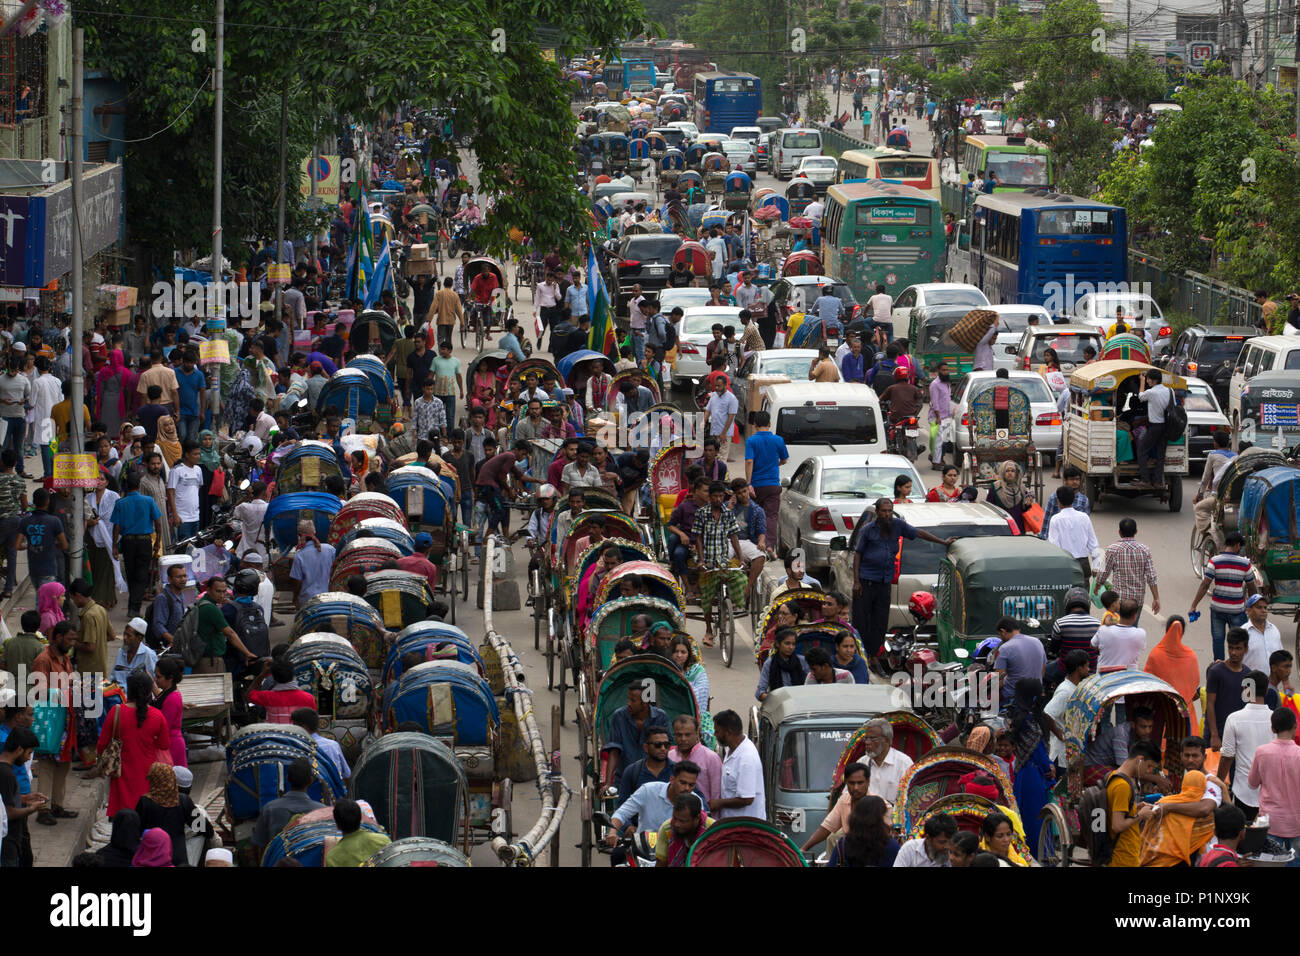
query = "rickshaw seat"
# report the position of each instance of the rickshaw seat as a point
(667, 503)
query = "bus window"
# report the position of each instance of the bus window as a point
(903, 168)
(1022, 170)
(1076, 222)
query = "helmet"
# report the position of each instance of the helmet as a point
(1077, 598)
(247, 581)
(547, 491)
(921, 605)
(900, 373)
(987, 647)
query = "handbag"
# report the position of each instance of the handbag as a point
(1033, 516)
(50, 720)
(109, 763)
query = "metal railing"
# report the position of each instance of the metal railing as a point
(836, 142)
(1210, 301)
(555, 793)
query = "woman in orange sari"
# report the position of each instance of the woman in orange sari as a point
(1175, 663)
(1175, 834)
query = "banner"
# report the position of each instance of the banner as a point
(325, 170)
(214, 350)
(279, 272)
(75, 471)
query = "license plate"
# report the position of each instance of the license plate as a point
(888, 238)
(656, 270)
(911, 432)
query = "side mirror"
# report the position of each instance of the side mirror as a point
(785, 482)
(961, 653)
(839, 543)
(1010, 350)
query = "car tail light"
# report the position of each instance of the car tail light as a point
(1165, 331)
(1015, 528)
(686, 348)
(629, 264)
(821, 520)
(1191, 366)
(1048, 418)
(848, 522)
(965, 420)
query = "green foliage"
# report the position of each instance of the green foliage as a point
(758, 25)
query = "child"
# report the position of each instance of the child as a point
(1279, 677)
(1229, 828)
(1110, 606)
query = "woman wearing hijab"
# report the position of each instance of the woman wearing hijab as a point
(1172, 839)
(783, 667)
(112, 387)
(49, 601)
(155, 849)
(1175, 663)
(169, 441)
(238, 401)
(1010, 493)
(209, 464)
(167, 809)
(1029, 728)
(123, 842)
(99, 529)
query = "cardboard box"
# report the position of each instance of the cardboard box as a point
(756, 383)
(419, 267)
(115, 297)
(419, 251)
(119, 316)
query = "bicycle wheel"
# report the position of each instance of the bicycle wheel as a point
(464, 566)
(534, 588)
(480, 332)
(726, 628)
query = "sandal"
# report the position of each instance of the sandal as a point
(708, 640)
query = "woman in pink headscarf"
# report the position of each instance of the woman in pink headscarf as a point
(113, 387)
(49, 601)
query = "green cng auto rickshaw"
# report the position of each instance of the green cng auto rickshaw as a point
(983, 579)
(930, 334)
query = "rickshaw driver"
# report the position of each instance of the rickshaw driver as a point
(874, 567)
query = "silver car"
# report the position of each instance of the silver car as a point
(741, 154)
(827, 493)
(1047, 418)
(1204, 418)
(919, 565)
(792, 363)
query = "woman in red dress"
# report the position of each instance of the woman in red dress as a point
(948, 490)
(145, 740)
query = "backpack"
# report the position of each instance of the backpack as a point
(250, 625)
(1175, 421)
(186, 643)
(1094, 818)
(669, 333)
(1219, 856)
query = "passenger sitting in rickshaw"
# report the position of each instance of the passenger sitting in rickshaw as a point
(752, 522)
(795, 577)
(1113, 743)
(633, 397)
(836, 609)
(658, 640)
(783, 667)
(533, 388)
(579, 544)
(596, 388)
(681, 524)
(786, 616)
(557, 425)
(610, 558)
(628, 728)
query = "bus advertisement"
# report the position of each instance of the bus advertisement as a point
(882, 233)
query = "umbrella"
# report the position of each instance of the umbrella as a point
(424, 208)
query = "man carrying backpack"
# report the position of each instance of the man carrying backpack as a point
(1124, 809)
(662, 333)
(214, 631)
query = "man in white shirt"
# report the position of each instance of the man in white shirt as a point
(742, 771)
(717, 248)
(1244, 732)
(887, 764)
(183, 484)
(814, 210)
(748, 294)
(1158, 398)
(1264, 636)
(1077, 667)
(1072, 531)
(722, 409)
(881, 305)
(931, 849)
(47, 392)
(248, 515)
(1119, 646)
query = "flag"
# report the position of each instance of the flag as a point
(360, 255)
(381, 279)
(601, 336)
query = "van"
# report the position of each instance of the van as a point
(791, 145)
(819, 418)
(1264, 353)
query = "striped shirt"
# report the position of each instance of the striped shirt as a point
(1075, 632)
(12, 487)
(1229, 572)
(1130, 568)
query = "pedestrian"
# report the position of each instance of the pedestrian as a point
(136, 520)
(743, 793)
(18, 749)
(141, 731)
(13, 504)
(1244, 733)
(941, 427)
(1119, 646)
(1152, 444)
(1129, 566)
(446, 311)
(1265, 639)
(1275, 775)
(1072, 531)
(1175, 663)
(1072, 479)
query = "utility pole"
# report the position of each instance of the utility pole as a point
(78, 396)
(315, 170)
(1297, 61)
(217, 103)
(279, 229)
(1128, 30)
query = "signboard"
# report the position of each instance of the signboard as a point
(898, 215)
(1284, 416)
(325, 170)
(13, 252)
(75, 471)
(99, 221)
(214, 350)
(279, 272)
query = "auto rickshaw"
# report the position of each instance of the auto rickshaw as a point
(671, 165)
(1227, 503)
(1267, 417)
(1000, 424)
(800, 194)
(986, 578)
(668, 689)
(1098, 432)
(800, 733)
(737, 190)
(1268, 521)
(1097, 701)
(930, 335)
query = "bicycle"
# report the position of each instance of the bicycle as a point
(725, 632)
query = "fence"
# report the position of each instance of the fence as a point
(1208, 300)
(835, 142)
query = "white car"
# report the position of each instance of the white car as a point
(690, 129)
(993, 124)
(1204, 418)
(686, 297)
(1047, 419)
(926, 294)
(819, 170)
(694, 335)
(1140, 311)
(813, 418)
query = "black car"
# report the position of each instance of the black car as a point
(1208, 352)
(642, 259)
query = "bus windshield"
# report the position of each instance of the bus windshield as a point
(1019, 169)
(903, 168)
(1076, 222)
(827, 425)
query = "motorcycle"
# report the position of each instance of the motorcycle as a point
(637, 851)
(901, 438)
(910, 661)
(464, 239)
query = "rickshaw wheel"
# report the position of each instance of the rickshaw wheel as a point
(451, 602)
(464, 566)
(534, 589)
(1175, 493)
(479, 333)
(1055, 848)
(1202, 550)
(726, 629)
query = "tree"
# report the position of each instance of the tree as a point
(841, 41)
(746, 25)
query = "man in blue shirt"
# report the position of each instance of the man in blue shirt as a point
(1073, 479)
(875, 567)
(510, 341)
(628, 729)
(191, 386)
(765, 453)
(137, 524)
(45, 538)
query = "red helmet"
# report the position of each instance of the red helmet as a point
(900, 372)
(921, 605)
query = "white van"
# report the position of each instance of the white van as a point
(824, 418)
(1263, 353)
(789, 145)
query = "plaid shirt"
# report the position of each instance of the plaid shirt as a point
(426, 416)
(714, 534)
(1129, 568)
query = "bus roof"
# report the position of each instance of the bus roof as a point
(876, 189)
(1004, 142)
(729, 74)
(1016, 202)
(884, 152)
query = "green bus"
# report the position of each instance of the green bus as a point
(1019, 163)
(881, 232)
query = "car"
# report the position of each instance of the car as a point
(750, 133)
(769, 124)
(1140, 310)
(798, 293)
(925, 294)
(789, 146)
(1263, 353)
(1209, 352)
(691, 131)
(613, 188)
(742, 155)
(818, 170)
(685, 297)
(1047, 419)
(1012, 322)
(1068, 340)
(826, 495)
(1204, 418)
(815, 417)
(674, 136)
(792, 363)
(644, 259)
(919, 563)
(694, 335)
(993, 123)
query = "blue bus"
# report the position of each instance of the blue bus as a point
(724, 101)
(639, 75)
(1040, 248)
